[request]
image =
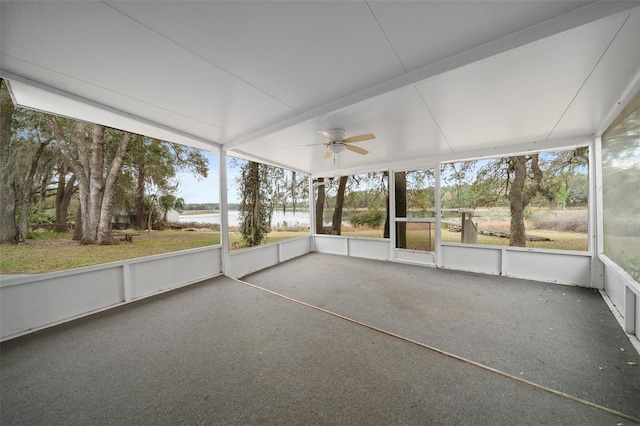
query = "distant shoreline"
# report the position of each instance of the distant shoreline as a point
(192, 212)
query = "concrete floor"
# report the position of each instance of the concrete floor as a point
(224, 352)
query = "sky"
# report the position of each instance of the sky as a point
(207, 190)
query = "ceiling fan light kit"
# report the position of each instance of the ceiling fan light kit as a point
(336, 147)
(337, 142)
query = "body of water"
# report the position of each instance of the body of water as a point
(278, 219)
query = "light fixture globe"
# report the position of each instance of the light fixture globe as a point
(336, 147)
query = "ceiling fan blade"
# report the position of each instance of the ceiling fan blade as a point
(357, 149)
(313, 144)
(327, 135)
(328, 154)
(359, 138)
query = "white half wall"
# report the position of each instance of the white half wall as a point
(245, 261)
(555, 266)
(369, 248)
(624, 293)
(33, 302)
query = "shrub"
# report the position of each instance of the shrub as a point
(566, 224)
(371, 218)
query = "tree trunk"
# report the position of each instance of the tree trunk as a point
(65, 191)
(401, 208)
(77, 228)
(400, 191)
(25, 190)
(519, 198)
(293, 192)
(96, 190)
(336, 224)
(109, 190)
(140, 197)
(319, 227)
(8, 230)
(150, 217)
(23, 203)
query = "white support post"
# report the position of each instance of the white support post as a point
(629, 310)
(596, 215)
(312, 210)
(224, 208)
(126, 283)
(392, 214)
(438, 213)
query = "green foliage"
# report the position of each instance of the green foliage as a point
(255, 210)
(41, 217)
(371, 218)
(201, 206)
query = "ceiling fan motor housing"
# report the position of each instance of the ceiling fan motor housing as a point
(337, 134)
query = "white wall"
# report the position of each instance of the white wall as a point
(624, 293)
(246, 261)
(557, 266)
(370, 248)
(33, 302)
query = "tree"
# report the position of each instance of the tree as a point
(25, 139)
(152, 162)
(521, 193)
(320, 206)
(255, 209)
(95, 154)
(8, 229)
(65, 190)
(336, 222)
(458, 174)
(520, 178)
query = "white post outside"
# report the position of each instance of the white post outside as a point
(224, 217)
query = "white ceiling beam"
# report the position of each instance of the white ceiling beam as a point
(199, 142)
(576, 18)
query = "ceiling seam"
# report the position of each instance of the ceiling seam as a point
(434, 120)
(202, 57)
(615, 36)
(386, 37)
(117, 93)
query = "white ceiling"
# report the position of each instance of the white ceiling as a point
(432, 80)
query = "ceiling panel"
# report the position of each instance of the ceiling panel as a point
(304, 54)
(426, 32)
(402, 124)
(132, 62)
(604, 87)
(263, 77)
(517, 96)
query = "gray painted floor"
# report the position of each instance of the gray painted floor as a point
(223, 352)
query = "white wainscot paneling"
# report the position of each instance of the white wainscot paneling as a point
(415, 256)
(624, 293)
(474, 258)
(246, 261)
(637, 322)
(158, 273)
(29, 303)
(556, 266)
(370, 248)
(294, 248)
(331, 244)
(614, 286)
(34, 302)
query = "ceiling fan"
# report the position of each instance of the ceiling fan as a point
(338, 143)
